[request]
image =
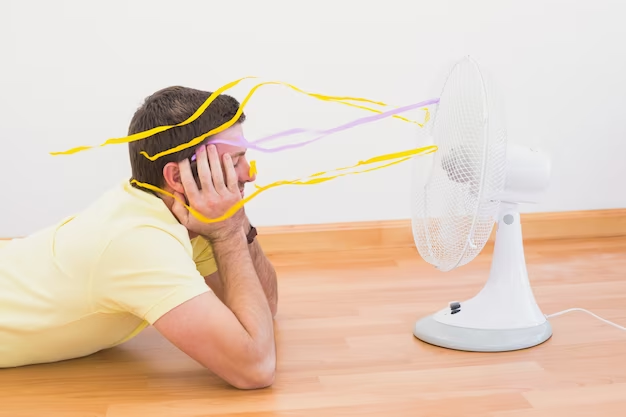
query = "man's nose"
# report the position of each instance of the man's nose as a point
(251, 171)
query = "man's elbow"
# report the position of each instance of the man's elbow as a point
(257, 376)
(255, 368)
(258, 381)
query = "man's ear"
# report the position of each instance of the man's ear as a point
(171, 174)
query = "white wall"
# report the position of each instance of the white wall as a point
(73, 72)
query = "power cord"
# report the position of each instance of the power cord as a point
(588, 312)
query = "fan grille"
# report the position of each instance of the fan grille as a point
(454, 212)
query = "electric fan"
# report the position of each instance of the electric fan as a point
(473, 182)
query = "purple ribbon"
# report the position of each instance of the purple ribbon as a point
(323, 133)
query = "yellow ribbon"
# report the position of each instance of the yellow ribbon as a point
(205, 105)
(396, 158)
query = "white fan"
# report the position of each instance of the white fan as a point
(473, 182)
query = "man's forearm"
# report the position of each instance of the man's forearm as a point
(266, 274)
(242, 292)
(265, 271)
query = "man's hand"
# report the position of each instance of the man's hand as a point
(216, 196)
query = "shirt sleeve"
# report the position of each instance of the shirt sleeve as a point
(146, 272)
(203, 256)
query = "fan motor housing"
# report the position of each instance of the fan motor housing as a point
(527, 175)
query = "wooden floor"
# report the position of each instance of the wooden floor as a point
(345, 347)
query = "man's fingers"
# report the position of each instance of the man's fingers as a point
(204, 171)
(216, 169)
(231, 176)
(186, 178)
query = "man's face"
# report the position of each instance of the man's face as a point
(234, 134)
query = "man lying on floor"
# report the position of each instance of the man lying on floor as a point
(136, 258)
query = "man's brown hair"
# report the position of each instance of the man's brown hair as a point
(170, 106)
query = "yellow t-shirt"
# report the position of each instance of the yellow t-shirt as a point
(96, 279)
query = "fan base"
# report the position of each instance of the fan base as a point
(468, 339)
